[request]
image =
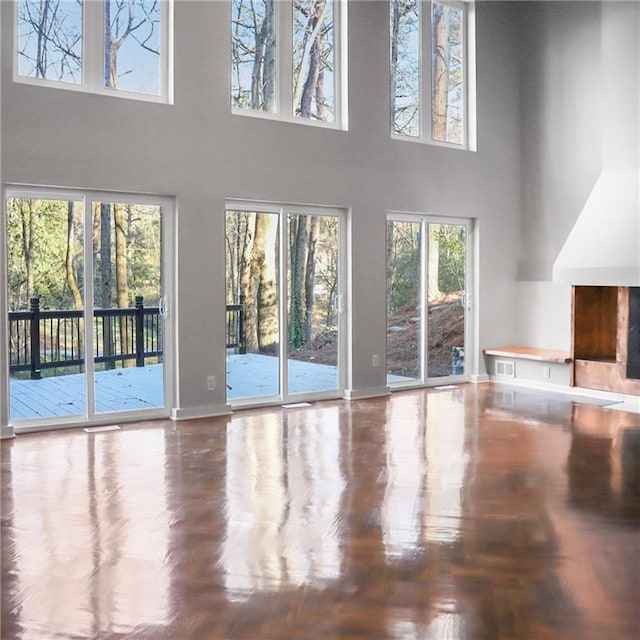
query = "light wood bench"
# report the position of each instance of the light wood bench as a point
(530, 353)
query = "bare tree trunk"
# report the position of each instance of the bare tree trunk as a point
(28, 239)
(265, 244)
(259, 283)
(269, 74)
(315, 20)
(72, 210)
(114, 38)
(42, 41)
(105, 256)
(297, 302)
(263, 70)
(121, 233)
(122, 285)
(395, 26)
(320, 101)
(390, 263)
(70, 255)
(232, 268)
(106, 280)
(110, 71)
(249, 283)
(311, 81)
(433, 267)
(258, 68)
(310, 273)
(441, 74)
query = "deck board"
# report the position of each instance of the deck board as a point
(59, 396)
(249, 375)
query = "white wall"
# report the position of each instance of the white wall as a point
(573, 122)
(197, 151)
(543, 315)
(561, 115)
(561, 154)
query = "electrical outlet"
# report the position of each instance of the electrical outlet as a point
(375, 360)
(546, 372)
(211, 383)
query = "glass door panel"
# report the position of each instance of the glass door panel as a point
(404, 293)
(253, 304)
(45, 271)
(446, 296)
(313, 303)
(404, 286)
(127, 293)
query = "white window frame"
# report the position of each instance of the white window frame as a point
(425, 79)
(92, 67)
(284, 107)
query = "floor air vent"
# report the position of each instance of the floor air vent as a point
(505, 368)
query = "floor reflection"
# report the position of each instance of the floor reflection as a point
(425, 471)
(402, 507)
(446, 461)
(603, 468)
(283, 499)
(89, 554)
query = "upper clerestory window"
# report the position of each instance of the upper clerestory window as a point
(433, 72)
(286, 60)
(116, 47)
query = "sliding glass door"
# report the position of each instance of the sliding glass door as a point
(428, 300)
(85, 279)
(283, 278)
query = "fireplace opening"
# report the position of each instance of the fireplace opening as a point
(606, 338)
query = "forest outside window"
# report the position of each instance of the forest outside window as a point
(432, 72)
(286, 59)
(104, 46)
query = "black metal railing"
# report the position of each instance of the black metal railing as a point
(43, 339)
(235, 326)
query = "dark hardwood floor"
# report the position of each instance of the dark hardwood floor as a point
(475, 512)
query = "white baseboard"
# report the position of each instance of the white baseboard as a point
(203, 411)
(6, 432)
(371, 392)
(479, 378)
(57, 423)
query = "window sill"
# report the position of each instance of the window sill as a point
(98, 91)
(278, 117)
(433, 143)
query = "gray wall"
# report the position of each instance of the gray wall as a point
(561, 115)
(198, 152)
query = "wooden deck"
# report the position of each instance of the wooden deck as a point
(116, 390)
(248, 375)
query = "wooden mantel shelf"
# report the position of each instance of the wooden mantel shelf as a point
(530, 353)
